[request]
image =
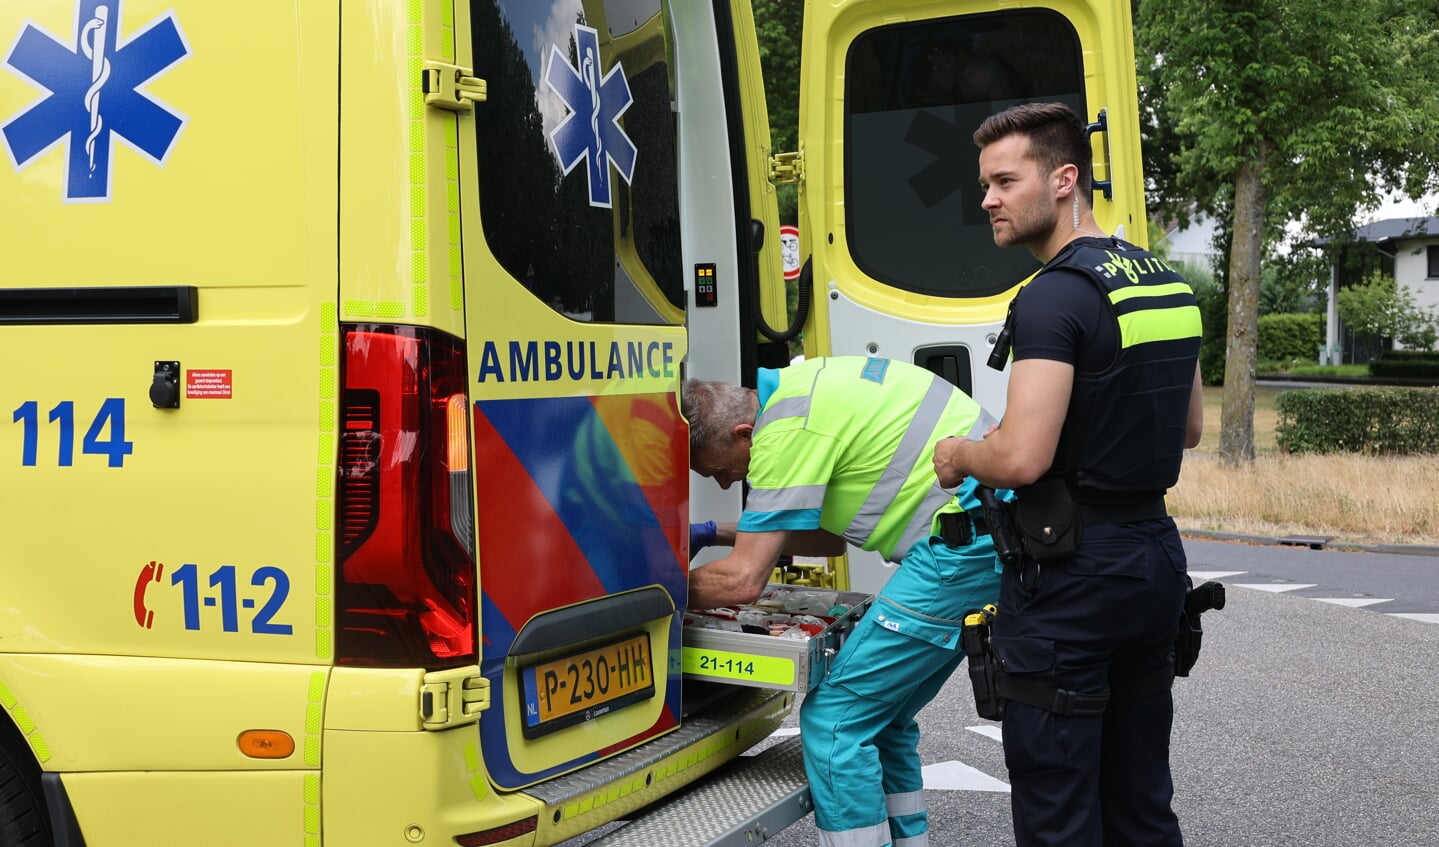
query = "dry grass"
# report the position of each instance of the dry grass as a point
(1359, 499)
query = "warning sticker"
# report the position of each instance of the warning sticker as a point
(208, 385)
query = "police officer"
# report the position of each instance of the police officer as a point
(1103, 398)
(840, 448)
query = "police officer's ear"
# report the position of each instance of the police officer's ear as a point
(743, 432)
(1065, 180)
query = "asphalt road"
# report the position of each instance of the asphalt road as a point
(1312, 718)
(1306, 722)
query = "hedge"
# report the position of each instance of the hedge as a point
(1408, 364)
(1285, 337)
(1376, 421)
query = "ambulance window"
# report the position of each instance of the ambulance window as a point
(594, 243)
(916, 93)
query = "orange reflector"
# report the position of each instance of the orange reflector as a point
(265, 743)
(458, 424)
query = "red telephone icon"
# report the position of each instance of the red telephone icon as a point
(149, 575)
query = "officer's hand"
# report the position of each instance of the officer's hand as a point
(948, 455)
(702, 535)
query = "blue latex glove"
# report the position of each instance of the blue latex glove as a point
(702, 535)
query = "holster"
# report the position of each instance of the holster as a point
(983, 666)
(1197, 601)
(1047, 520)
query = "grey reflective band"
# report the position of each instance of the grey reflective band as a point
(785, 499)
(911, 447)
(921, 840)
(788, 407)
(870, 836)
(908, 803)
(981, 426)
(921, 525)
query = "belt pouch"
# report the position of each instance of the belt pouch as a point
(1047, 519)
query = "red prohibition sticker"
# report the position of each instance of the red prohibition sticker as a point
(209, 385)
(789, 250)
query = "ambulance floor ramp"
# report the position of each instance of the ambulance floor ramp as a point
(742, 804)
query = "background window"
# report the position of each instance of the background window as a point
(915, 95)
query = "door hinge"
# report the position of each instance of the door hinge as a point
(786, 168)
(453, 697)
(452, 87)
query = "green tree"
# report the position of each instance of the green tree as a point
(1379, 307)
(1280, 111)
(779, 25)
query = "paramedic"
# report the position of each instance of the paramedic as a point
(1103, 398)
(840, 448)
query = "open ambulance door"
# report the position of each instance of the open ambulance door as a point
(900, 252)
(735, 289)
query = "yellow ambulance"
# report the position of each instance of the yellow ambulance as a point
(343, 493)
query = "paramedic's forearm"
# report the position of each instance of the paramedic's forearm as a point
(809, 542)
(741, 576)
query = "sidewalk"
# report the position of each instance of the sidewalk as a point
(1316, 542)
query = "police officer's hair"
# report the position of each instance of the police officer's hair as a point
(714, 409)
(1056, 136)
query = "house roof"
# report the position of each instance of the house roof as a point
(1395, 229)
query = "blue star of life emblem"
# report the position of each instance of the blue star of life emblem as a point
(93, 95)
(591, 131)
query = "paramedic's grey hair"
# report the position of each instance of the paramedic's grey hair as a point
(713, 410)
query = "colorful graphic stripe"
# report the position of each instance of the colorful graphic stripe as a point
(578, 498)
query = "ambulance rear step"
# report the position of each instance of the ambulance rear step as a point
(742, 804)
(722, 714)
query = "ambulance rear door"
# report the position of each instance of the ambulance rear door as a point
(574, 290)
(902, 255)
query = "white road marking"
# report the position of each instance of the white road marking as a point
(1425, 617)
(957, 776)
(1352, 602)
(1214, 574)
(1275, 587)
(987, 731)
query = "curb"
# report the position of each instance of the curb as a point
(1314, 542)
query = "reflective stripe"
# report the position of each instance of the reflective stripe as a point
(907, 803)
(921, 840)
(785, 499)
(911, 446)
(788, 407)
(869, 836)
(1159, 325)
(1163, 290)
(921, 525)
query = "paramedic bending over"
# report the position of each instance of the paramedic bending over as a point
(840, 447)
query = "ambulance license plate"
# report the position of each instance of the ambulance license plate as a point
(582, 687)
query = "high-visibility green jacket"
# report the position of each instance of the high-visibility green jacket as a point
(846, 444)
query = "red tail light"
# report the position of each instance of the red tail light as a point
(406, 574)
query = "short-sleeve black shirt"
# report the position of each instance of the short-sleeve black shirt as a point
(1063, 316)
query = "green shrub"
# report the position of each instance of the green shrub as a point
(1288, 337)
(1407, 364)
(1411, 356)
(1405, 368)
(1377, 421)
(1214, 315)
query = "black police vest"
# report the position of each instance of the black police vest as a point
(1123, 436)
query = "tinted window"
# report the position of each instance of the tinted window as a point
(591, 243)
(915, 95)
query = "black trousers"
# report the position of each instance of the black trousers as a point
(1094, 624)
